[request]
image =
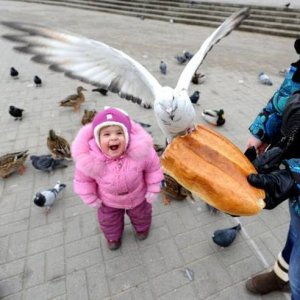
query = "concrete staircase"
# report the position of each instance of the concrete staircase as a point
(263, 19)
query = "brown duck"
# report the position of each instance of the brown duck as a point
(58, 146)
(74, 100)
(88, 116)
(170, 187)
(12, 162)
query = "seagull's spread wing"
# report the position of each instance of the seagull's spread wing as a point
(87, 60)
(223, 30)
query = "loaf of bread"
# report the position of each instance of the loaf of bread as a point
(214, 169)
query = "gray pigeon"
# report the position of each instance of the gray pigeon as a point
(212, 209)
(47, 163)
(283, 72)
(144, 125)
(224, 237)
(195, 97)
(181, 59)
(188, 55)
(47, 198)
(163, 67)
(264, 79)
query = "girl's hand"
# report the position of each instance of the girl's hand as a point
(97, 204)
(151, 197)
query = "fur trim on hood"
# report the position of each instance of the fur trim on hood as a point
(89, 158)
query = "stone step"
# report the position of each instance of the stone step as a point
(265, 20)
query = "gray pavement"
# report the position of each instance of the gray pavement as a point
(64, 255)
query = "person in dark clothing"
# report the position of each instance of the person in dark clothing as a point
(277, 129)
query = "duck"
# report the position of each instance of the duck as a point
(214, 116)
(12, 162)
(74, 100)
(170, 188)
(88, 116)
(198, 78)
(58, 146)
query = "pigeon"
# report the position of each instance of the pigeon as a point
(213, 116)
(188, 55)
(47, 163)
(37, 80)
(159, 149)
(16, 112)
(97, 63)
(224, 237)
(195, 97)
(198, 78)
(283, 72)
(264, 79)
(48, 197)
(181, 59)
(144, 125)
(163, 67)
(212, 209)
(101, 91)
(287, 5)
(14, 73)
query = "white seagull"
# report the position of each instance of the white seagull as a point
(96, 63)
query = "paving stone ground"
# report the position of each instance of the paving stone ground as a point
(64, 255)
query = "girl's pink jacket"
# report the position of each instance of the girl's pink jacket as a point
(120, 183)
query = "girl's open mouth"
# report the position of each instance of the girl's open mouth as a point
(114, 147)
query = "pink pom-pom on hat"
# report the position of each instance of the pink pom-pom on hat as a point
(111, 116)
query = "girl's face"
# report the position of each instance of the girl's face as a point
(112, 141)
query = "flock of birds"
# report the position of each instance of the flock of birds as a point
(112, 70)
(58, 146)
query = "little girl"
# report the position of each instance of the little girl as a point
(117, 170)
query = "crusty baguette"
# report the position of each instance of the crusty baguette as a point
(209, 165)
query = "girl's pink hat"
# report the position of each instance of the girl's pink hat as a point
(111, 116)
